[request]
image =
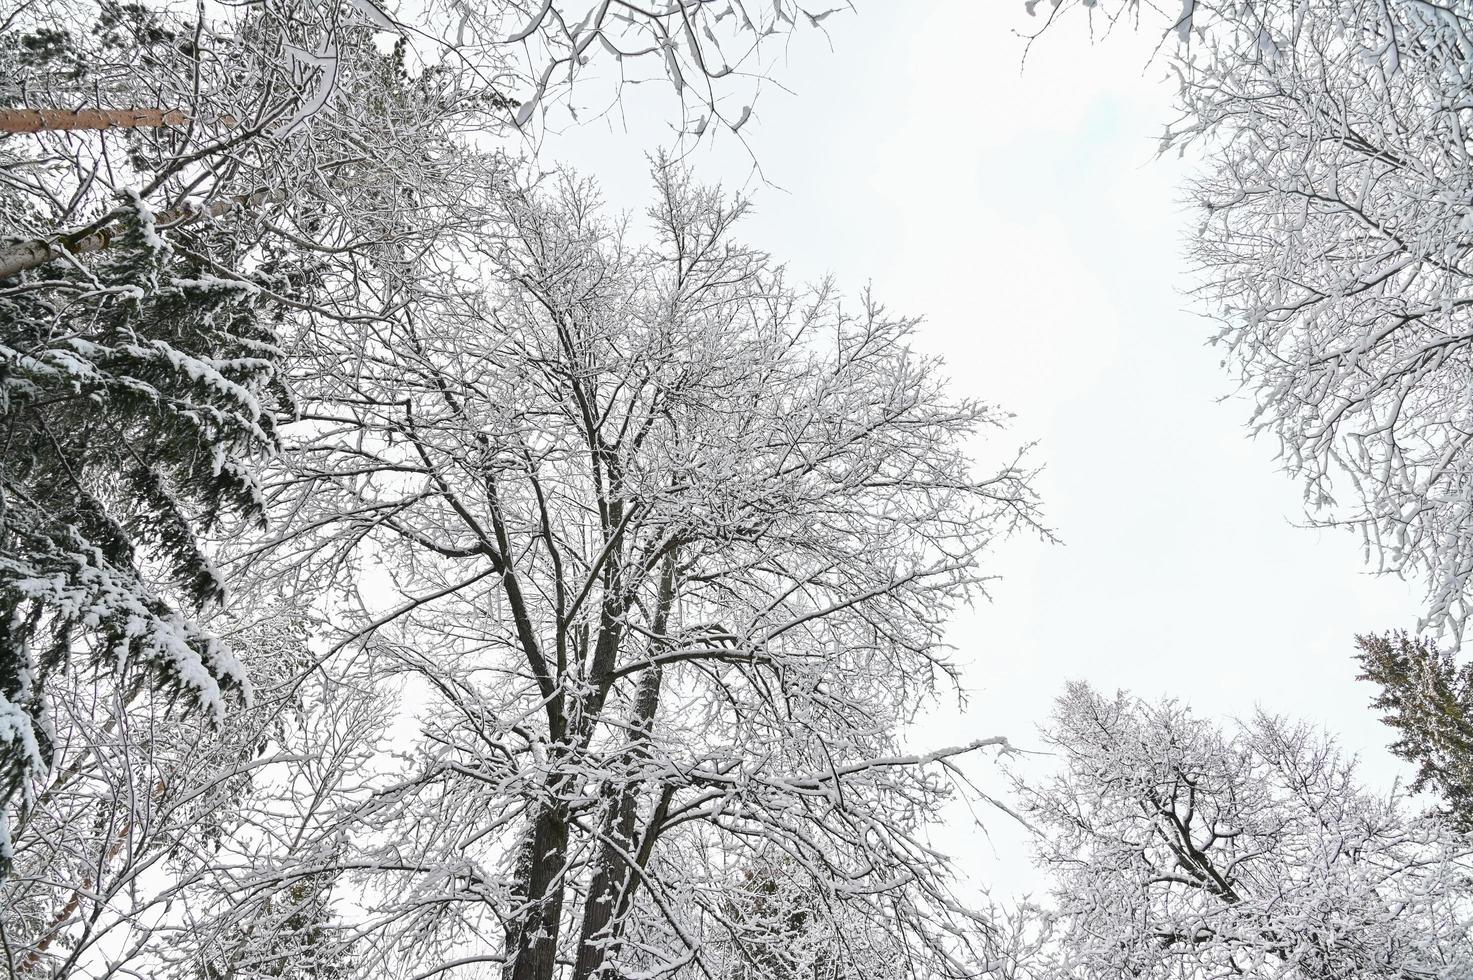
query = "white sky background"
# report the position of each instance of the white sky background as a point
(1022, 211)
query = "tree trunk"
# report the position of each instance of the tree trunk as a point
(613, 879)
(532, 941)
(612, 875)
(55, 120)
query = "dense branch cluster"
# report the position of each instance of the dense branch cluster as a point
(1335, 240)
(1334, 245)
(714, 56)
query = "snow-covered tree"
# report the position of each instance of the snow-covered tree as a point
(1428, 699)
(136, 393)
(157, 847)
(1182, 849)
(166, 178)
(671, 545)
(1334, 243)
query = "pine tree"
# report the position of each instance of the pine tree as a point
(1428, 699)
(134, 395)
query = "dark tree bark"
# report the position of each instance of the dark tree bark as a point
(614, 881)
(533, 945)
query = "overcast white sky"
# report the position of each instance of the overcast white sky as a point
(1023, 213)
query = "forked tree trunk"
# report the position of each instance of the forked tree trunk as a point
(541, 872)
(613, 878)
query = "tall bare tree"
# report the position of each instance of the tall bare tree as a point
(669, 545)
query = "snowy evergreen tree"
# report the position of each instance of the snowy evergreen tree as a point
(134, 395)
(1428, 699)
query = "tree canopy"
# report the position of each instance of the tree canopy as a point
(1180, 848)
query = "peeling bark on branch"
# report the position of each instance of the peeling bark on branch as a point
(21, 257)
